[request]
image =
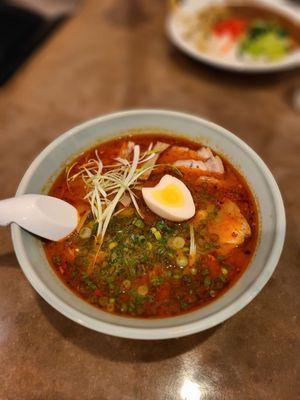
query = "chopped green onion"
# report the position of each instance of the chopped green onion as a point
(149, 246)
(139, 223)
(123, 308)
(103, 301)
(162, 226)
(224, 271)
(142, 290)
(177, 276)
(156, 233)
(183, 305)
(85, 232)
(182, 261)
(176, 242)
(126, 284)
(81, 261)
(207, 281)
(142, 238)
(157, 280)
(57, 259)
(110, 307)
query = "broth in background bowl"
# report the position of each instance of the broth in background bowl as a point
(195, 273)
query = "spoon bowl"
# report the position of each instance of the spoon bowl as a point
(45, 216)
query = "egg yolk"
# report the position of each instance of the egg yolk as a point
(170, 195)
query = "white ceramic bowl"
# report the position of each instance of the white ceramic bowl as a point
(175, 30)
(34, 263)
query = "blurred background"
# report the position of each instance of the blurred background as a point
(65, 61)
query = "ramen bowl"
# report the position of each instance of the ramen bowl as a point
(49, 163)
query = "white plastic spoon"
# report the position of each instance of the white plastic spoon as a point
(45, 216)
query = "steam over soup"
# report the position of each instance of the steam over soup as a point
(166, 226)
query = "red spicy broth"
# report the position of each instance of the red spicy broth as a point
(144, 266)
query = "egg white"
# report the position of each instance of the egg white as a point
(184, 210)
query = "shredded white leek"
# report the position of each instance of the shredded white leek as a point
(106, 189)
(192, 256)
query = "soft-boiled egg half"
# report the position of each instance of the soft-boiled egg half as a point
(170, 199)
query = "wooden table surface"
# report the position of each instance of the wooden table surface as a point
(115, 55)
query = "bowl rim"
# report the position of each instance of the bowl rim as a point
(183, 45)
(180, 329)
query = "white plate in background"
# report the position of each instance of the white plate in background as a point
(176, 29)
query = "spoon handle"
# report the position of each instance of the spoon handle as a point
(7, 211)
